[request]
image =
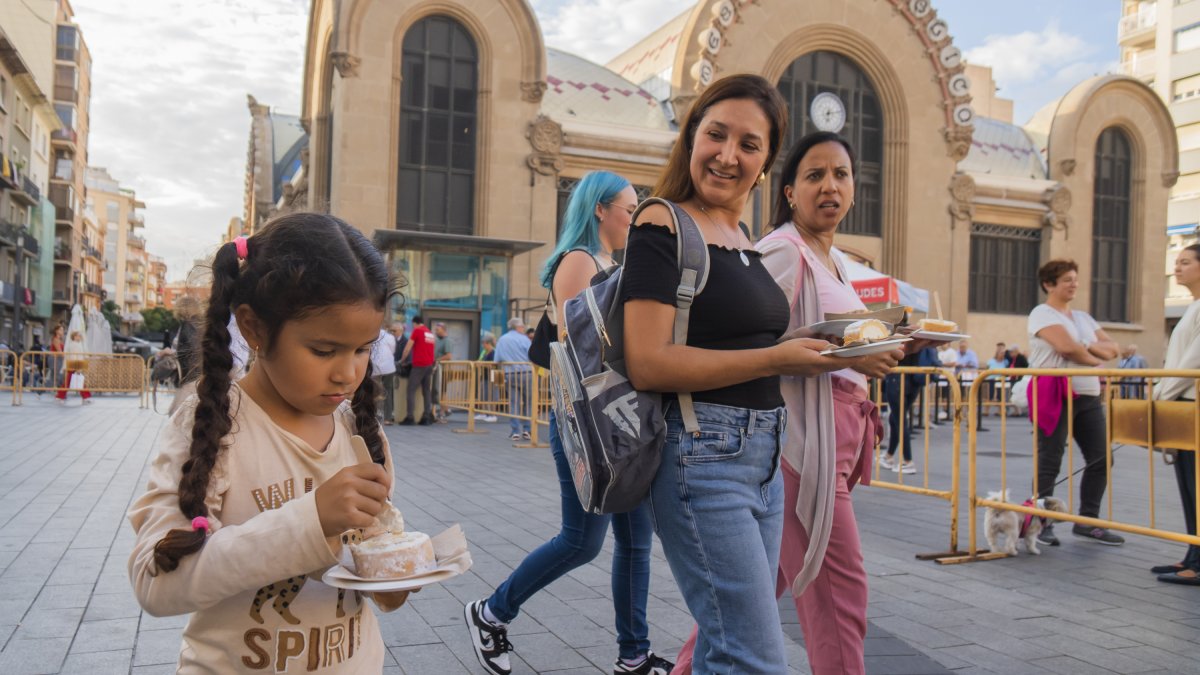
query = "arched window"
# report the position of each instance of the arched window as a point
(1110, 227)
(436, 182)
(819, 72)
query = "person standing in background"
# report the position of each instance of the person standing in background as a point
(383, 369)
(1061, 337)
(1133, 387)
(1183, 352)
(513, 348)
(441, 352)
(421, 345)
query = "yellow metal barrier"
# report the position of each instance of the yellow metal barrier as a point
(10, 373)
(102, 373)
(454, 380)
(1131, 422)
(931, 377)
(510, 390)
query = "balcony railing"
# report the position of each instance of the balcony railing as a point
(1144, 18)
(66, 135)
(30, 188)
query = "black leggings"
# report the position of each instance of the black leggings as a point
(1185, 476)
(1089, 432)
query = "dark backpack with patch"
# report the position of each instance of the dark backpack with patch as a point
(613, 434)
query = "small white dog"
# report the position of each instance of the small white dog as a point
(1014, 525)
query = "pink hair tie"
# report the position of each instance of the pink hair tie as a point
(243, 249)
(200, 523)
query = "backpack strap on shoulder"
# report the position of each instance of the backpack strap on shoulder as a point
(692, 256)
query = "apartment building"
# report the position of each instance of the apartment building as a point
(78, 244)
(127, 263)
(1160, 45)
(27, 120)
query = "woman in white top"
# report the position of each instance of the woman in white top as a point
(1183, 351)
(1060, 337)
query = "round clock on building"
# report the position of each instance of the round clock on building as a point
(828, 112)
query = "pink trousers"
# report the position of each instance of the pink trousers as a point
(833, 609)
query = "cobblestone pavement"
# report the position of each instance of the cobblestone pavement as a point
(67, 476)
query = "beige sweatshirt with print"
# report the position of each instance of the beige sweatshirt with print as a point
(254, 590)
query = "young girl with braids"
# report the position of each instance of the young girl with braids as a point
(256, 482)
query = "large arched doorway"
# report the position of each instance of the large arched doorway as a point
(829, 72)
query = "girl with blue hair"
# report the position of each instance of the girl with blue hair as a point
(596, 223)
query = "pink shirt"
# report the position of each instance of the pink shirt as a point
(836, 296)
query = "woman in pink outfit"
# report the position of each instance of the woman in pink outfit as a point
(832, 423)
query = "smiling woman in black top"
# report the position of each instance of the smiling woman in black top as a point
(717, 498)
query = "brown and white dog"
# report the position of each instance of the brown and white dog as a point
(1014, 525)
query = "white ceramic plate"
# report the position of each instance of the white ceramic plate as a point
(863, 350)
(938, 337)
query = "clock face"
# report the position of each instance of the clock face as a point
(828, 112)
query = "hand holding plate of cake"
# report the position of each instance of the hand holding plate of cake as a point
(388, 557)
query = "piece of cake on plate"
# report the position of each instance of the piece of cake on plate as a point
(864, 332)
(387, 551)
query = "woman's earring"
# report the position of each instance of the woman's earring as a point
(762, 177)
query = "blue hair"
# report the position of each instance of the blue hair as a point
(581, 228)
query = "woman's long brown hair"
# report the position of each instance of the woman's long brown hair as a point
(675, 183)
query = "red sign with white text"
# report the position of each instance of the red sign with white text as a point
(877, 291)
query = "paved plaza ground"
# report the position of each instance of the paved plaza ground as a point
(67, 476)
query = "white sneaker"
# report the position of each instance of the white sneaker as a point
(907, 468)
(887, 461)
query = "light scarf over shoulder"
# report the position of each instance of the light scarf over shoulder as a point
(810, 447)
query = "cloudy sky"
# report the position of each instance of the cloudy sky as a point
(170, 79)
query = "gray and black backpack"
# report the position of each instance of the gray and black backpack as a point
(613, 434)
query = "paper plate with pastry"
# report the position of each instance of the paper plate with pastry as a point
(380, 559)
(938, 330)
(868, 348)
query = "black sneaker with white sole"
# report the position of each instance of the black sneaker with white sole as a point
(653, 665)
(490, 641)
(1098, 535)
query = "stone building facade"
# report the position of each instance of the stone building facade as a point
(448, 131)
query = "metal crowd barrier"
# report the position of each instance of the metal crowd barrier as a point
(1129, 422)
(921, 485)
(10, 373)
(507, 390)
(102, 374)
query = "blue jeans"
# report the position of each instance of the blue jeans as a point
(717, 506)
(578, 543)
(519, 383)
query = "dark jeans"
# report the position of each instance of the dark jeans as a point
(897, 415)
(1185, 475)
(419, 377)
(1089, 430)
(578, 543)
